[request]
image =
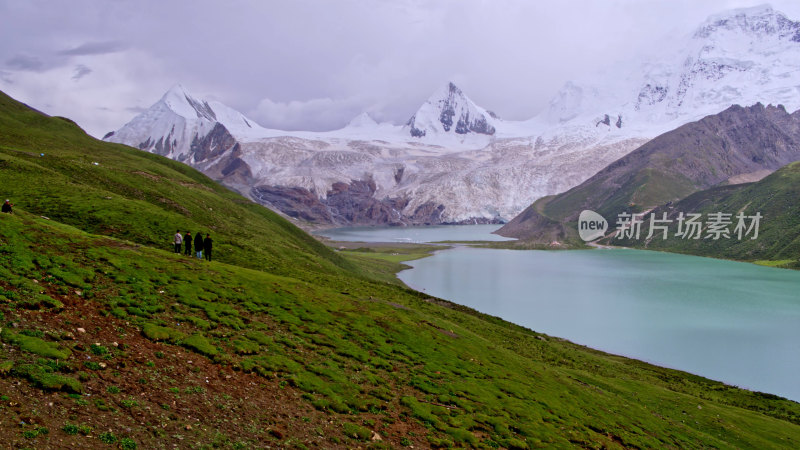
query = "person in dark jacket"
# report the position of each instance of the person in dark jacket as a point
(187, 244)
(7, 206)
(198, 245)
(207, 242)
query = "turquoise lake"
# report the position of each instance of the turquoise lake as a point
(435, 233)
(729, 321)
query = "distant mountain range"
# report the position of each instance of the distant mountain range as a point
(735, 146)
(456, 162)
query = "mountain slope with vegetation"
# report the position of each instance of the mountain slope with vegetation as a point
(109, 338)
(52, 168)
(738, 143)
(774, 198)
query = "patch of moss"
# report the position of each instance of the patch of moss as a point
(356, 431)
(159, 333)
(42, 377)
(259, 337)
(5, 367)
(199, 323)
(40, 301)
(462, 436)
(245, 347)
(437, 442)
(35, 345)
(199, 344)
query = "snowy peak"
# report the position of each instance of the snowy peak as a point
(363, 120)
(569, 101)
(184, 104)
(740, 56)
(448, 110)
(758, 21)
(183, 127)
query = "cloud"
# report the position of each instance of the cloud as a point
(314, 114)
(25, 62)
(81, 71)
(94, 48)
(384, 57)
(121, 84)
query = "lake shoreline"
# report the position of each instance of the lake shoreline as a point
(698, 315)
(662, 278)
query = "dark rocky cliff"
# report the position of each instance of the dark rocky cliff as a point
(349, 204)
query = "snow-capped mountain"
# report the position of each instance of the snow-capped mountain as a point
(450, 111)
(742, 56)
(455, 161)
(368, 172)
(180, 126)
(363, 120)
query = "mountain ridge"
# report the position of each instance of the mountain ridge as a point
(693, 157)
(408, 181)
(456, 157)
(774, 241)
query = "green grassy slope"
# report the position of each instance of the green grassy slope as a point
(141, 197)
(338, 352)
(775, 197)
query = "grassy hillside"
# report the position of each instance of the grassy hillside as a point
(144, 198)
(775, 197)
(111, 339)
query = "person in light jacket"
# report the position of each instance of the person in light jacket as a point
(178, 240)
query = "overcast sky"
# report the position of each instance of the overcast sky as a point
(314, 64)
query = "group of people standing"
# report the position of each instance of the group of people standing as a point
(201, 246)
